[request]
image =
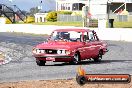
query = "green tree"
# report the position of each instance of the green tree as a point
(52, 16)
(33, 11)
(29, 19)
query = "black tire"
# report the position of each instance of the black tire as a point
(81, 80)
(76, 59)
(40, 62)
(99, 57)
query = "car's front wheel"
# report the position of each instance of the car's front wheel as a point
(40, 62)
(76, 58)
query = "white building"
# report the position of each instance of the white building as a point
(40, 17)
(98, 9)
(96, 6)
(70, 5)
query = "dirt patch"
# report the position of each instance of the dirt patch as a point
(60, 84)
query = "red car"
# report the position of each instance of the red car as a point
(70, 45)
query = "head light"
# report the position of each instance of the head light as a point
(63, 52)
(34, 50)
(42, 51)
(59, 51)
(38, 51)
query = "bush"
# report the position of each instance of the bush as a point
(52, 16)
(65, 12)
(76, 14)
(8, 21)
(29, 19)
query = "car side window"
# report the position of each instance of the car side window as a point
(95, 36)
(92, 36)
(86, 37)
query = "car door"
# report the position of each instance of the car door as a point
(95, 43)
(87, 46)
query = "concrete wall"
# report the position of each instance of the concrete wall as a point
(116, 34)
(2, 20)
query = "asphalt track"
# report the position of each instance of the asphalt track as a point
(23, 67)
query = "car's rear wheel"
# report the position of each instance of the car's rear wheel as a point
(40, 62)
(76, 58)
(99, 57)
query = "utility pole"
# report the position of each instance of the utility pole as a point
(84, 15)
(88, 18)
(125, 6)
(40, 6)
(108, 9)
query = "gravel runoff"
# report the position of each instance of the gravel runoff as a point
(6, 59)
(23, 67)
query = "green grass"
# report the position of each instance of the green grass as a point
(77, 24)
(80, 24)
(122, 24)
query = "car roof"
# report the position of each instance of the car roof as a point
(74, 29)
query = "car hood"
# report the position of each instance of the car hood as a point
(59, 45)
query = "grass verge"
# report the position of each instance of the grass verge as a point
(80, 24)
(77, 24)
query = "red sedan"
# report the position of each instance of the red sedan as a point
(70, 45)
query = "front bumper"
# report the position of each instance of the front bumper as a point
(54, 58)
(106, 50)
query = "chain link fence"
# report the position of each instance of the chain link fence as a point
(69, 18)
(116, 17)
(121, 18)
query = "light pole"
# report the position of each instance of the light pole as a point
(84, 15)
(40, 6)
(108, 11)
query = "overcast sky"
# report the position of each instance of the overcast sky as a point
(27, 4)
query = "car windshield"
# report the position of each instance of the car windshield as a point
(67, 36)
